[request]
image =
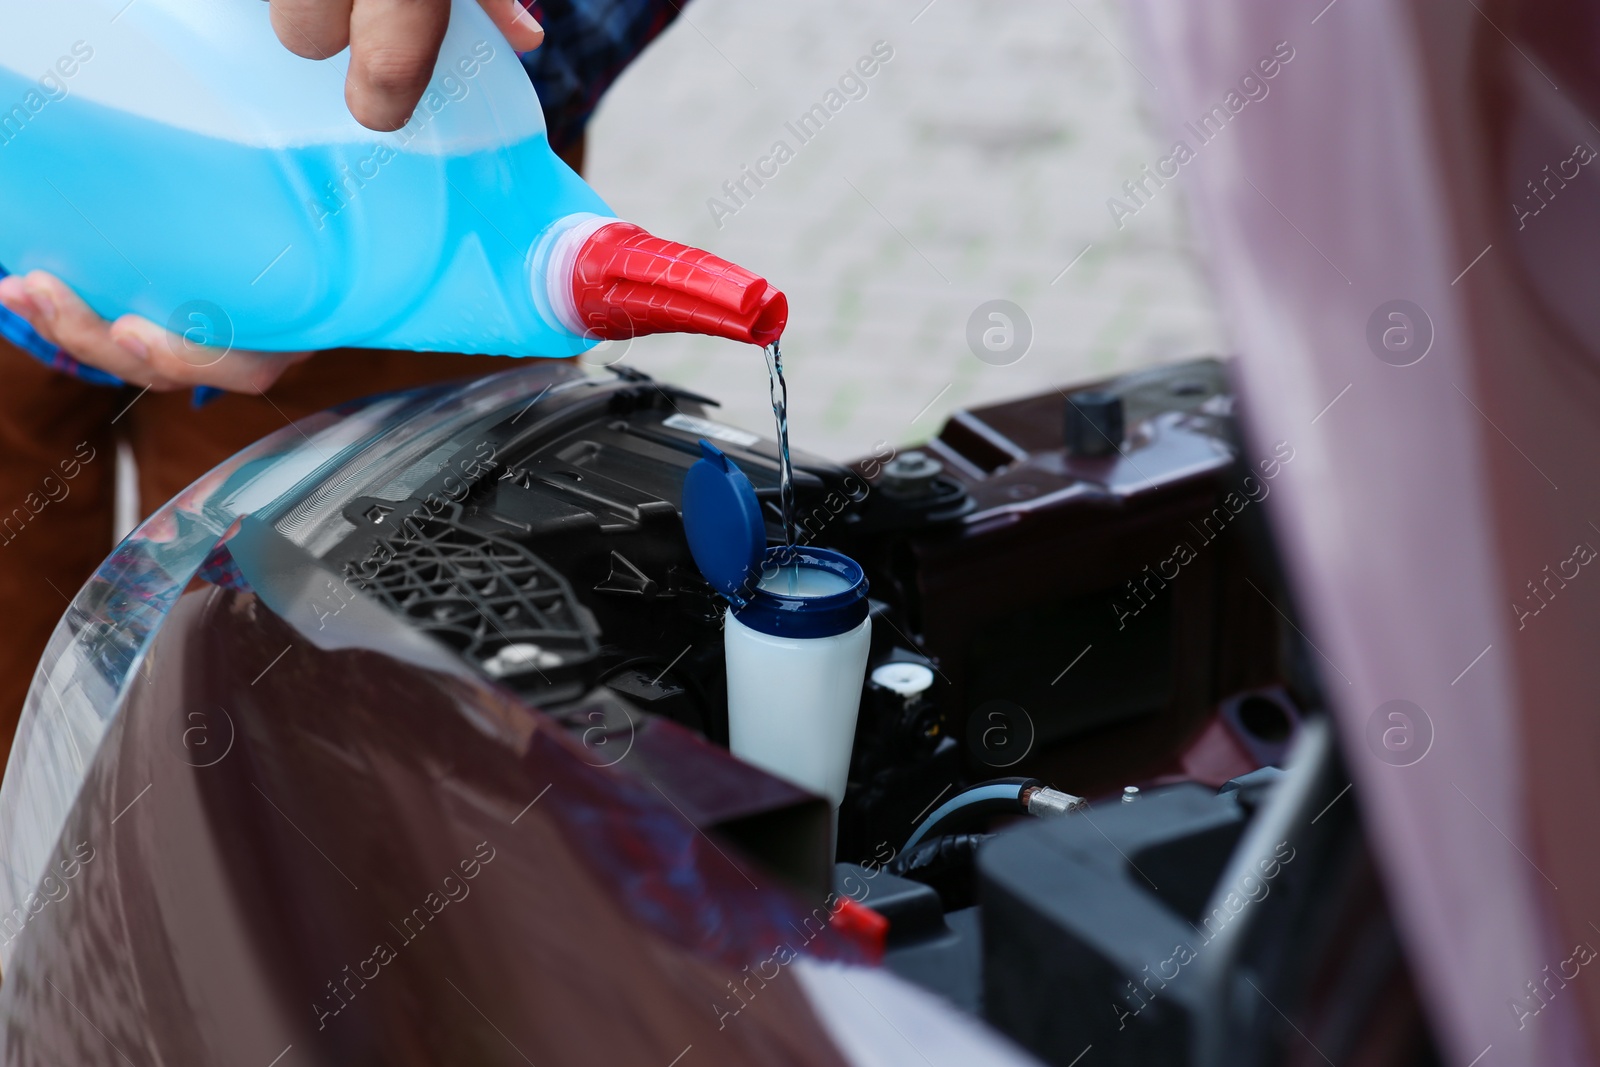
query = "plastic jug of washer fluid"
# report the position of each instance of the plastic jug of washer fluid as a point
(796, 632)
(172, 158)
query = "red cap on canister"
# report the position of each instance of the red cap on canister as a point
(626, 283)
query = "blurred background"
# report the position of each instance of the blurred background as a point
(976, 167)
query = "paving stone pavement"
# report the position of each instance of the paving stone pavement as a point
(973, 165)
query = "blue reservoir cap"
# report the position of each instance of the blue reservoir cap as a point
(722, 520)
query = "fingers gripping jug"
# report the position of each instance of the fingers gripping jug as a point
(171, 158)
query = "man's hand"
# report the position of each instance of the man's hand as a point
(136, 349)
(393, 46)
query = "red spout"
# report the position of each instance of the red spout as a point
(626, 283)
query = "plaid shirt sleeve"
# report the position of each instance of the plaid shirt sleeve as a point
(588, 43)
(15, 328)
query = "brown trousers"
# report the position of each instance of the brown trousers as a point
(58, 445)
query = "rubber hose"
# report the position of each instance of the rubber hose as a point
(972, 807)
(945, 864)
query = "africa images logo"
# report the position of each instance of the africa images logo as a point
(1252, 87)
(51, 87)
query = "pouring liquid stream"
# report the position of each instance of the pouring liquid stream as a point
(780, 410)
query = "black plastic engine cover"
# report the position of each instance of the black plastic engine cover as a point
(565, 565)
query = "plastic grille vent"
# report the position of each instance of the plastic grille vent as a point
(493, 601)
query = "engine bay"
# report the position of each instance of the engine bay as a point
(1076, 614)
